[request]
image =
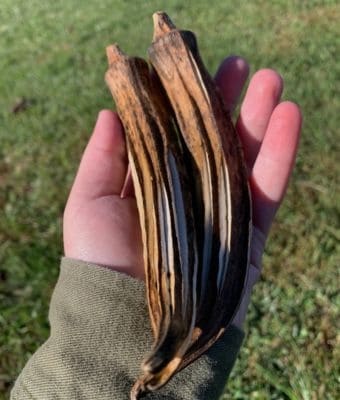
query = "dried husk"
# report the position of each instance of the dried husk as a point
(192, 194)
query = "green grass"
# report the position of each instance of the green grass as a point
(53, 54)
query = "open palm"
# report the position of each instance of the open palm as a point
(102, 228)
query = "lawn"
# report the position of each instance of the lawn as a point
(52, 53)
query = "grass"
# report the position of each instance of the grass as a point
(52, 53)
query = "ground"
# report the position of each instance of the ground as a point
(52, 63)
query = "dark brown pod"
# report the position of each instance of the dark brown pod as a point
(192, 194)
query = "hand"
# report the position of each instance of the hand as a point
(102, 228)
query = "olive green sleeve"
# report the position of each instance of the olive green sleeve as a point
(99, 335)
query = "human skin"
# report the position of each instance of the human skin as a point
(102, 228)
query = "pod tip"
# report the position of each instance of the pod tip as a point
(162, 24)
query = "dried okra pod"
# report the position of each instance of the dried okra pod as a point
(192, 194)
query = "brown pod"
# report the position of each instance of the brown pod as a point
(211, 138)
(192, 194)
(164, 202)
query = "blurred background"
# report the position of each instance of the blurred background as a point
(52, 65)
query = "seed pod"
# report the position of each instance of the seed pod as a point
(192, 194)
(162, 192)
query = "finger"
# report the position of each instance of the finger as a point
(262, 96)
(230, 78)
(274, 164)
(104, 162)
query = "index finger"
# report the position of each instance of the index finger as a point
(230, 78)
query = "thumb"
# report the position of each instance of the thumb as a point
(103, 166)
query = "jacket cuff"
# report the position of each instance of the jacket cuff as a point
(100, 334)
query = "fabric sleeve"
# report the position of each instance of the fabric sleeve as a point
(99, 336)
